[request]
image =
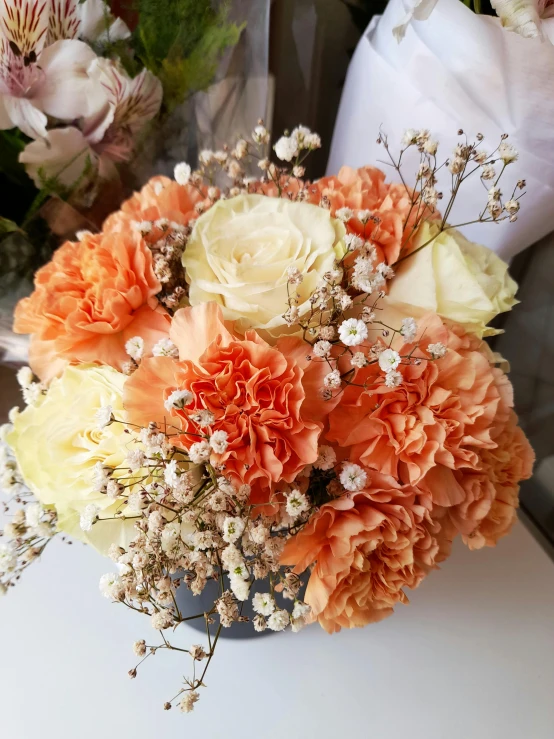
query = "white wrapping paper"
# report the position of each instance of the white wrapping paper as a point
(456, 70)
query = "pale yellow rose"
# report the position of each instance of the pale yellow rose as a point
(240, 250)
(58, 442)
(455, 278)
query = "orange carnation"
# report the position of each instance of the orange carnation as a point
(89, 300)
(366, 189)
(159, 198)
(366, 548)
(441, 414)
(504, 467)
(265, 398)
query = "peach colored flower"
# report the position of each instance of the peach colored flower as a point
(265, 398)
(89, 300)
(504, 467)
(436, 421)
(366, 189)
(159, 198)
(365, 548)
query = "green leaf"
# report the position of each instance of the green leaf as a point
(7, 226)
(181, 42)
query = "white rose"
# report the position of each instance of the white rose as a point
(57, 444)
(240, 250)
(455, 278)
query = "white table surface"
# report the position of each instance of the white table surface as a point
(472, 656)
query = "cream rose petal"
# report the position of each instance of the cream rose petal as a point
(57, 444)
(240, 250)
(455, 278)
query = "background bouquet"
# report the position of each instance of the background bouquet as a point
(80, 92)
(270, 383)
(456, 68)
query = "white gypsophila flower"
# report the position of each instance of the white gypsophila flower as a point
(233, 526)
(353, 242)
(353, 332)
(240, 587)
(165, 348)
(33, 514)
(188, 700)
(326, 458)
(88, 517)
(111, 586)
(263, 603)
(203, 418)
(300, 612)
(327, 333)
(25, 376)
(507, 153)
(258, 622)
(353, 477)
(301, 609)
(364, 216)
(103, 416)
(409, 329)
(332, 380)
(494, 193)
(100, 477)
(171, 473)
(178, 399)
(389, 360)
(488, 172)
(206, 157)
(240, 570)
(393, 378)
(171, 542)
(511, 206)
(199, 452)
(135, 348)
(260, 134)
(344, 214)
(294, 276)
(113, 489)
(410, 137)
(278, 620)
(286, 148)
(322, 349)
(231, 557)
(358, 360)
(218, 442)
(182, 173)
(297, 504)
(437, 350)
(139, 648)
(259, 533)
(161, 620)
(31, 393)
(8, 558)
(311, 141)
(135, 459)
(431, 146)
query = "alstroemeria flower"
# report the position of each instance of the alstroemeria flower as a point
(110, 137)
(39, 80)
(418, 10)
(90, 20)
(529, 18)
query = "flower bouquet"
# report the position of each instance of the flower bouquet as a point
(456, 66)
(265, 385)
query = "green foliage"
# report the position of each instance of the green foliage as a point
(181, 42)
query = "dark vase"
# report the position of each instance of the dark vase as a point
(191, 605)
